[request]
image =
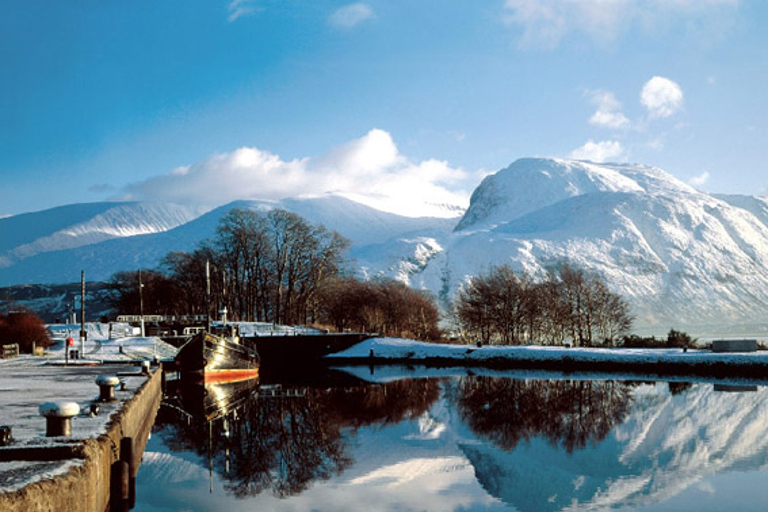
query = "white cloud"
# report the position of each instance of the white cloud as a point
(369, 169)
(239, 8)
(661, 97)
(544, 23)
(351, 15)
(608, 114)
(700, 180)
(604, 151)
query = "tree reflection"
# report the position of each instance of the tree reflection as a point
(285, 441)
(283, 444)
(567, 413)
(383, 404)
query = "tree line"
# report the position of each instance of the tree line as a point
(387, 307)
(568, 306)
(275, 267)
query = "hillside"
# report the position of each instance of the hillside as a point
(681, 256)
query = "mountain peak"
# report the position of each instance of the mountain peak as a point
(530, 184)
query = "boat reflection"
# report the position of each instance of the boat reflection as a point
(282, 439)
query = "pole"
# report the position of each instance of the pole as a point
(208, 292)
(82, 313)
(141, 303)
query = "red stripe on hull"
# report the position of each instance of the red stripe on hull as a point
(233, 375)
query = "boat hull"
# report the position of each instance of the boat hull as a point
(211, 358)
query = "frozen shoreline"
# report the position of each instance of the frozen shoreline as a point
(380, 351)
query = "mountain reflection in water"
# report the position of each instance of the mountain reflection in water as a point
(463, 443)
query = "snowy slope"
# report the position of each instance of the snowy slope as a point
(102, 259)
(531, 183)
(80, 225)
(126, 236)
(680, 256)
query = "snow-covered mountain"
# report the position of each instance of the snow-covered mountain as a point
(87, 235)
(78, 225)
(682, 257)
(679, 255)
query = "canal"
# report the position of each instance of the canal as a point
(458, 443)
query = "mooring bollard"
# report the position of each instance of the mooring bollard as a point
(128, 455)
(107, 385)
(5, 435)
(145, 367)
(119, 486)
(58, 417)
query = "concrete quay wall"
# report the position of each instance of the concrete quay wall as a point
(85, 488)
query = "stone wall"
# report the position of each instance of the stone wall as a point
(734, 346)
(85, 488)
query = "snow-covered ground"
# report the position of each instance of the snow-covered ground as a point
(28, 381)
(107, 343)
(398, 349)
(394, 372)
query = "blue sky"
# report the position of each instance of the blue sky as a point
(213, 100)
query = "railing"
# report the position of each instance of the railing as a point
(9, 351)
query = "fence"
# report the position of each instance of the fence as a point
(11, 350)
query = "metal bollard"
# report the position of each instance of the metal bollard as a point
(107, 385)
(5, 435)
(145, 367)
(128, 455)
(58, 417)
(119, 486)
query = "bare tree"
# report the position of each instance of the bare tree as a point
(569, 305)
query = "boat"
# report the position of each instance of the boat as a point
(210, 357)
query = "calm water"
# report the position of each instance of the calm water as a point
(461, 444)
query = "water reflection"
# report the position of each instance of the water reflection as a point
(467, 443)
(660, 443)
(567, 413)
(283, 439)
